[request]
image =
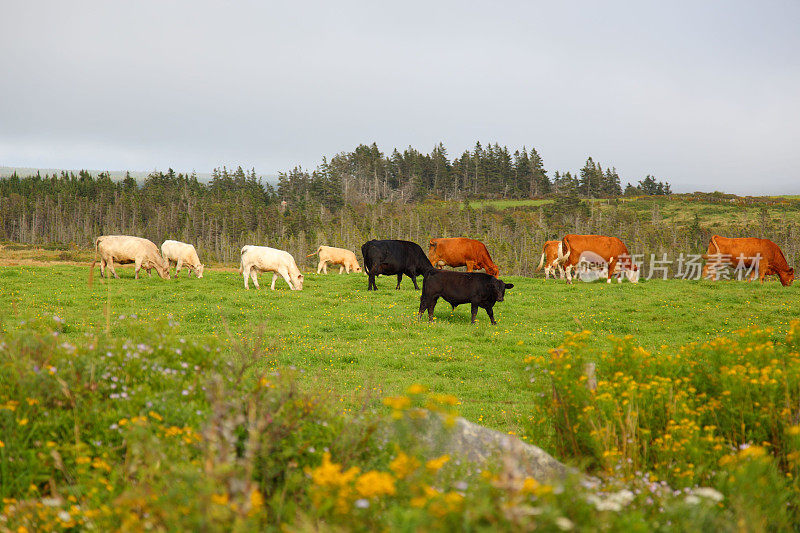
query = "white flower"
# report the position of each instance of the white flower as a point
(691, 499)
(361, 503)
(709, 493)
(564, 523)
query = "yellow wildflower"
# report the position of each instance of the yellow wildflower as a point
(330, 474)
(22, 421)
(436, 464)
(156, 416)
(398, 403)
(403, 465)
(373, 483)
(416, 388)
(220, 499)
(256, 499)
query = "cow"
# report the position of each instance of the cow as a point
(336, 256)
(389, 257)
(461, 251)
(760, 255)
(182, 254)
(456, 288)
(257, 259)
(550, 260)
(125, 249)
(608, 249)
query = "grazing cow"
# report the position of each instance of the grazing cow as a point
(336, 256)
(460, 251)
(181, 254)
(257, 259)
(550, 260)
(456, 288)
(761, 255)
(124, 249)
(389, 257)
(609, 249)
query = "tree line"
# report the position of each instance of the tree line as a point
(368, 175)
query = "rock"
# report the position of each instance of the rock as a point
(487, 448)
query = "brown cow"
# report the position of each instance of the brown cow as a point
(760, 255)
(609, 249)
(460, 251)
(550, 260)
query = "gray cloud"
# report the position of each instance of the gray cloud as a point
(702, 94)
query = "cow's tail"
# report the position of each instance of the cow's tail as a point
(563, 245)
(716, 248)
(315, 253)
(96, 256)
(541, 263)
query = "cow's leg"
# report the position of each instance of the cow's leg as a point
(371, 282)
(246, 276)
(254, 277)
(422, 306)
(470, 266)
(568, 273)
(102, 267)
(341, 269)
(399, 279)
(111, 267)
(490, 312)
(414, 279)
(474, 312)
(274, 277)
(431, 306)
(763, 267)
(325, 267)
(547, 272)
(137, 265)
(285, 275)
(612, 266)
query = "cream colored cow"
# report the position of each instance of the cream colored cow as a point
(124, 249)
(336, 256)
(257, 259)
(182, 254)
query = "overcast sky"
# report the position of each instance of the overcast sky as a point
(703, 94)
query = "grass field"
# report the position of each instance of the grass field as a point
(363, 345)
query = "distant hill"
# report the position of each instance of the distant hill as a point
(115, 174)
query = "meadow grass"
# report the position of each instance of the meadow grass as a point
(364, 345)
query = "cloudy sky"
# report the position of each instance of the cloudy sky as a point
(703, 94)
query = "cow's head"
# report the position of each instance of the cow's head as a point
(786, 276)
(159, 266)
(357, 268)
(199, 271)
(492, 270)
(298, 282)
(500, 289)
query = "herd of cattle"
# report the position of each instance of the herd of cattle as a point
(396, 257)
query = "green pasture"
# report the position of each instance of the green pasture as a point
(363, 345)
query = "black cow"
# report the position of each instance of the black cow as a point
(476, 288)
(394, 257)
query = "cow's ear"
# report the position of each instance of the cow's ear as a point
(509, 286)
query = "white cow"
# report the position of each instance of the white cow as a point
(346, 259)
(257, 259)
(126, 249)
(182, 254)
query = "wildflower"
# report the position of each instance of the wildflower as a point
(220, 499)
(22, 421)
(2, 444)
(373, 483)
(330, 474)
(564, 524)
(416, 388)
(436, 464)
(709, 493)
(398, 403)
(361, 503)
(403, 465)
(793, 430)
(256, 499)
